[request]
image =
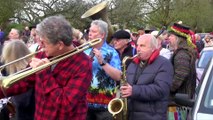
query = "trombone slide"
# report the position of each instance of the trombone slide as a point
(9, 81)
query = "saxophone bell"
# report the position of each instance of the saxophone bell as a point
(115, 106)
(118, 106)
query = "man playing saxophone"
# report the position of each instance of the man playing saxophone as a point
(149, 78)
(60, 90)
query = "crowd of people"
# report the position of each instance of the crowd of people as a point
(81, 86)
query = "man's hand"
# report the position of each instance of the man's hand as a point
(98, 55)
(126, 90)
(38, 62)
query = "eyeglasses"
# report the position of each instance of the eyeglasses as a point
(135, 34)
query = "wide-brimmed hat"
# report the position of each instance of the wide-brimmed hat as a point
(183, 31)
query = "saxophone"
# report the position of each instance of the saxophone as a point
(118, 106)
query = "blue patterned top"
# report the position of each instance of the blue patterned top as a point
(102, 88)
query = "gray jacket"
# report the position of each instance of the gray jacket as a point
(150, 91)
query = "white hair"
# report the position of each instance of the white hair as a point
(154, 42)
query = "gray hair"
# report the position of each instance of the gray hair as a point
(154, 42)
(103, 26)
(19, 32)
(55, 29)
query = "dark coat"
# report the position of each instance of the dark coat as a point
(129, 51)
(184, 80)
(150, 92)
(25, 105)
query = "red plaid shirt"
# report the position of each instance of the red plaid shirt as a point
(60, 94)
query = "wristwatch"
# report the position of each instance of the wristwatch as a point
(103, 63)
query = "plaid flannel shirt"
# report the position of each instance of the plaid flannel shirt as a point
(60, 93)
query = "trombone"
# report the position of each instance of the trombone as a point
(19, 59)
(10, 80)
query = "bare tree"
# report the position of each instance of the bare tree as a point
(7, 10)
(129, 14)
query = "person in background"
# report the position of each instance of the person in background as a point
(183, 60)
(14, 34)
(208, 40)
(32, 36)
(86, 34)
(163, 51)
(34, 43)
(149, 78)
(25, 102)
(12, 51)
(106, 71)
(165, 43)
(78, 36)
(141, 31)
(199, 42)
(60, 89)
(26, 32)
(25, 39)
(2, 38)
(149, 29)
(122, 44)
(134, 38)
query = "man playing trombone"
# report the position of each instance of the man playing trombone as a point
(60, 89)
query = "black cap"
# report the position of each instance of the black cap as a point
(121, 34)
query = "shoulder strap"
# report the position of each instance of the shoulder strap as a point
(140, 68)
